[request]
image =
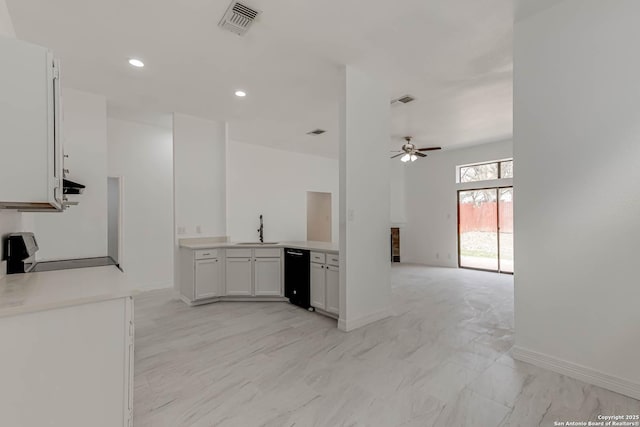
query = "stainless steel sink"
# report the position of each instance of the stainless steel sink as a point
(257, 243)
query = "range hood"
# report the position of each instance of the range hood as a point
(71, 187)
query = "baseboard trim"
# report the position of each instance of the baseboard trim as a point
(350, 325)
(231, 299)
(325, 313)
(579, 372)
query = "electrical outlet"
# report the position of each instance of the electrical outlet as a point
(437, 255)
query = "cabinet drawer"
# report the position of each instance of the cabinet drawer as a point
(206, 253)
(333, 259)
(239, 253)
(268, 252)
(318, 257)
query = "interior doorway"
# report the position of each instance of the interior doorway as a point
(318, 216)
(485, 229)
(114, 219)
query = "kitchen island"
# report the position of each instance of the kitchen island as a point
(67, 353)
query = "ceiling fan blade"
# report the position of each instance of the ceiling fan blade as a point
(430, 149)
(397, 155)
(417, 153)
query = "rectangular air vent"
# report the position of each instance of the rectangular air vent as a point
(238, 18)
(316, 132)
(403, 99)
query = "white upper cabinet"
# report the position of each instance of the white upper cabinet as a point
(31, 156)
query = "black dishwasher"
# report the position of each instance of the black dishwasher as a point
(296, 277)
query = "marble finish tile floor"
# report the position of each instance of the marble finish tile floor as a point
(442, 360)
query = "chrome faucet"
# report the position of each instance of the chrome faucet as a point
(261, 230)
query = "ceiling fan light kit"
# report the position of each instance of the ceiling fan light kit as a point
(411, 153)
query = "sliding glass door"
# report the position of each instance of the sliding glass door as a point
(485, 229)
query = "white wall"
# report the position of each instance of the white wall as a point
(199, 156)
(398, 199)
(142, 155)
(80, 231)
(365, 283)
(6, 25)
(431, 234)
(9, 221)
(577, 202)
(274, 183)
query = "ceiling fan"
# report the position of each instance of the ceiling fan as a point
(410, 152)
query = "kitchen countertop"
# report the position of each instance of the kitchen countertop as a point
(30, 292)
(309, 245)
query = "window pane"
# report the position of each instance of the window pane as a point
(506, 168)
(484, 172)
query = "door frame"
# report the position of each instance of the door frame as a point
(497, 188)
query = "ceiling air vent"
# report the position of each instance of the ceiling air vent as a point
(238, 18)
(403, 99)
(316, 132)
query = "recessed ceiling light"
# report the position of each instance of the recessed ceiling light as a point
(136, 63)
(241, 93)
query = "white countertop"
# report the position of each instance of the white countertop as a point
(309, 245)
(29, 292)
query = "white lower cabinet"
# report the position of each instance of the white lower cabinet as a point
(268, 276)
(68, 366)
(325, 286)
(332, 289)
(208, 278)
(239, 277)
(208, 275)
(318, 284)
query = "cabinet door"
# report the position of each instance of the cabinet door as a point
(333, 289)
(239, 277)
(30, 150)
(318, 286)
(207, 278)
(268, 276)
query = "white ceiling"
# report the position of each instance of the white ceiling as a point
(454, 56)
